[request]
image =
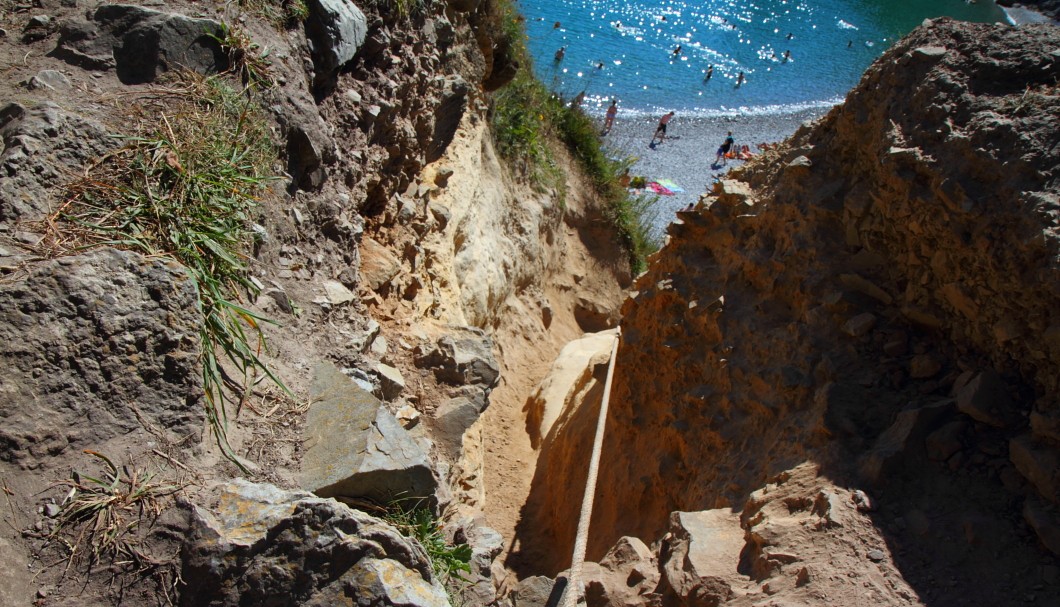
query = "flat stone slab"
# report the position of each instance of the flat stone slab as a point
(356, 448)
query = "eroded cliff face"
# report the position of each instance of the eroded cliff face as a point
(877, 296)
(396, 248)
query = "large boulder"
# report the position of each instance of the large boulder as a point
(572, 375)
(336, 30)
(141, 43)
(261, 545)
(97, 346)
(355, 447)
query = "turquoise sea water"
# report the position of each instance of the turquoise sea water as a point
(624, 49)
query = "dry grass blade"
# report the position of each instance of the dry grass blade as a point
(99, 518)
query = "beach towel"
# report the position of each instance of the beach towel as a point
(654, 186)
(670, 185)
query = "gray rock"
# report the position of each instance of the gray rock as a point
(391, 383)
(280, 298)
(42, 146)
(360, 340)
(894, 445)
(38, 27)
(485, 543)
(452, 420)
(337, 294)
(264, 545)
(52, 510)
(447, 115)
(876, 555)
(356, 448)
(985, 399)
(336, 30)
(800, 162)
(944, 442)
(97, 346)
(537, 591)
(141, 43)
(440, 213)
(860, 325)
(49, 79)
(464, 357)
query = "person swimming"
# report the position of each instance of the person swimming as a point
(562, 52)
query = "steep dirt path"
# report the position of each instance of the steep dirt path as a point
(510, 460)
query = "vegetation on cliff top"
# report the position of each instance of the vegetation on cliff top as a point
(526, 115)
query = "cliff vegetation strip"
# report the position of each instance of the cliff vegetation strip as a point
(526, 116)
(183, 190)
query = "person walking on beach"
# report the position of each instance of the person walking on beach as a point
(723, 149)
(609, 118)
(660, 131)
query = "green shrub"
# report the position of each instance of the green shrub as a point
(184, 189)
(525, 118)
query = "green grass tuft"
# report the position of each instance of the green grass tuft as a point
(417, 522)
(248, 60)
(185, 189)
(280, 13)
(101, 520)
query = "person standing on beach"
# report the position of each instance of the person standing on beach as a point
(723, 149)
(660, 131)
(609, 118)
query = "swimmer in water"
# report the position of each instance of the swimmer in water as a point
(739, 80)
(787, 56)
(560, 54)
(710, 74)
(677, 51)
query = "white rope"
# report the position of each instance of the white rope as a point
(574, 583)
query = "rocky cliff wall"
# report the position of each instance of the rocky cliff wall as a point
(879, 296)
(395, 248)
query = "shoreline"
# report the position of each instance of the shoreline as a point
(1020, 14)
(685, 157)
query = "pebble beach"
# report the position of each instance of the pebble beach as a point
(685, 157)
